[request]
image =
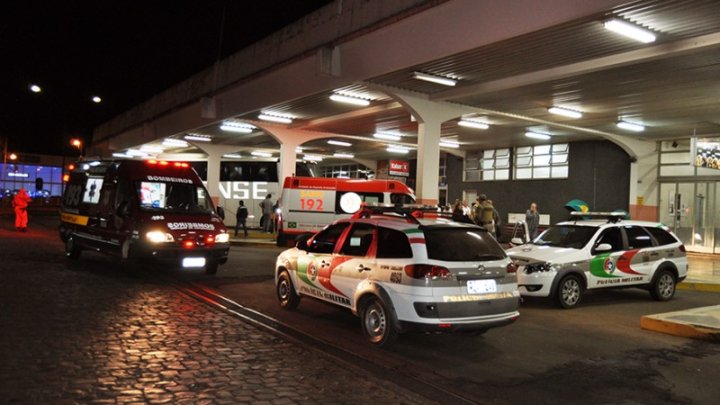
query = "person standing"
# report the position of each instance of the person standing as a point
(240, 218)
(20, 203)
(266, 206)
(532, 219)
(484, 212)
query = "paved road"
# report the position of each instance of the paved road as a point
(595, 354)
(87, 332)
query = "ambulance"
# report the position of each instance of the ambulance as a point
(143, 211)
(308, 204)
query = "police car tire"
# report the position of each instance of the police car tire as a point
(377, 322)
(569, 292)
(72, 251)
(663, 285)
(285, 291)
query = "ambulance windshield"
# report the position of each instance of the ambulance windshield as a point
(173, 197)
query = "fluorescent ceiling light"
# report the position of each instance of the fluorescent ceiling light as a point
(445, 81)
(565, 112)
(339, 143)
(474, 124)
(630, 126)
(121, 155)
(298, 149)
(397, 149)
(275, 118)
(151, 149)
(261, 154)
(135, 153)
(537, 135)
(449, 144)
(233, 155)
(198, 137)
(344, 155)
(350, 100)
(629, 30)
(389, 137)
(313, 158)
(235, 127)
(174, 142)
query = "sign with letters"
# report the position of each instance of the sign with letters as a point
(399, 168)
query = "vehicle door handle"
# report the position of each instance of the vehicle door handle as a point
(361, 268)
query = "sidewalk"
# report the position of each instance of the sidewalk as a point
(703, 273)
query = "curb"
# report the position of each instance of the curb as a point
(699, 286)
(685, 323)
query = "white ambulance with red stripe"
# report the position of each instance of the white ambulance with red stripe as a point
(308, 204)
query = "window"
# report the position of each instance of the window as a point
(661, 236)
(372, 198)
(542, 162)
(638, 238)
(249, 171)
(612, 237)
(461, 244)
(358, 240)
(566, 236)
(354, 171)
(393, 244)
(493, 164)
(324, 242)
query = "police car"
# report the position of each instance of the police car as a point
(400, 273)
(600, 250)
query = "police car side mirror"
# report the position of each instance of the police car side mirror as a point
(220, 212)
(516, 241)
(302, 242)
(603, 247)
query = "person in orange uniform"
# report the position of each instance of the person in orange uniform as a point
(20, 203)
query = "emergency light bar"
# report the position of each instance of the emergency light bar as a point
(610, 216)
(410, 212)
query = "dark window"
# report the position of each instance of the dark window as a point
(324, 242)
(200, 168)
(638, 238)
(393, 244)
(461, 244)
(612, 237)
(567, 236)
(661, 236)
(249, 171)
(358, 240)
(397, 198)
(372, 198)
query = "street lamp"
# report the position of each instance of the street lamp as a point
(96, 99)
(35, 88)
(77, 143)
(12, 156)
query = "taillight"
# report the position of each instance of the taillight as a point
(682, 248)
(512, 267)
(210, 240)
(188, 244)
(427, 271)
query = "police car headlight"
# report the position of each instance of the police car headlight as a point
(537, 267)
(159, 237)
(222, 238)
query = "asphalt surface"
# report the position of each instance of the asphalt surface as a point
(88, 332)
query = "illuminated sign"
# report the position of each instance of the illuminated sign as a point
(705, 153)
(399, 168)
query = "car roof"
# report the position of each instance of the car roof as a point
(601, 223)
(401, 223)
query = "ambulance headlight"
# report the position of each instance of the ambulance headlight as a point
(222, 238)
(159, 237)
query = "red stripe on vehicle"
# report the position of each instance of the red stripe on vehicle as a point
(417, 240)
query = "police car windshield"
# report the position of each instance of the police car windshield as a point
(566, 236)
(173, 197)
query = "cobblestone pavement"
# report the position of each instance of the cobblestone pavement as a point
(86, 332)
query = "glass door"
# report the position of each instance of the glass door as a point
(691, 210)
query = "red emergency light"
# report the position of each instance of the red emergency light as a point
(188, 244)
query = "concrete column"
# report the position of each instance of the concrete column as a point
(214, 156)
(288, 159)
(428, 161)
(643, 193)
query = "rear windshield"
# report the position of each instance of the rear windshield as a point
(662, 237)
(173, 197)
(461, 245)
(566, 236)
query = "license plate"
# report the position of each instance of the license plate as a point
(193, 262)
(481, 286)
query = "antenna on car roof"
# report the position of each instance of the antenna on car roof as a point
(612, 217)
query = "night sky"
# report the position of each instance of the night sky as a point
(123, 51)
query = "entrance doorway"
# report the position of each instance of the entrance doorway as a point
(691, 209)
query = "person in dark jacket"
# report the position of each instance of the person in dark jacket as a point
(240, 218)
(532, 219)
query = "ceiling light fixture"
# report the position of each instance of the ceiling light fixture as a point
(537, 135)
(96, 99)
(151, 149)
(135, 153)
(35, 88)
(397, 149)
(261, 154)
(275, 118)
(350, 100)
(344, 155)
(473, 124)
(298, 149)
(236, 127)
(629, 30)
(445, 81)
(389, 137)
(174, 143)
(449, 144)
(339, 143)
(198, 137)
(313, 158)
(630, 126)
(233, 155)
(565, 112)
(121, 155)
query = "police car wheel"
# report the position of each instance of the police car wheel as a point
(569, 292)
(72, 251)
(286, 292)
(663, 287)
(377, 324)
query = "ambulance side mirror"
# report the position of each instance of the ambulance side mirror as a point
(220, 212)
